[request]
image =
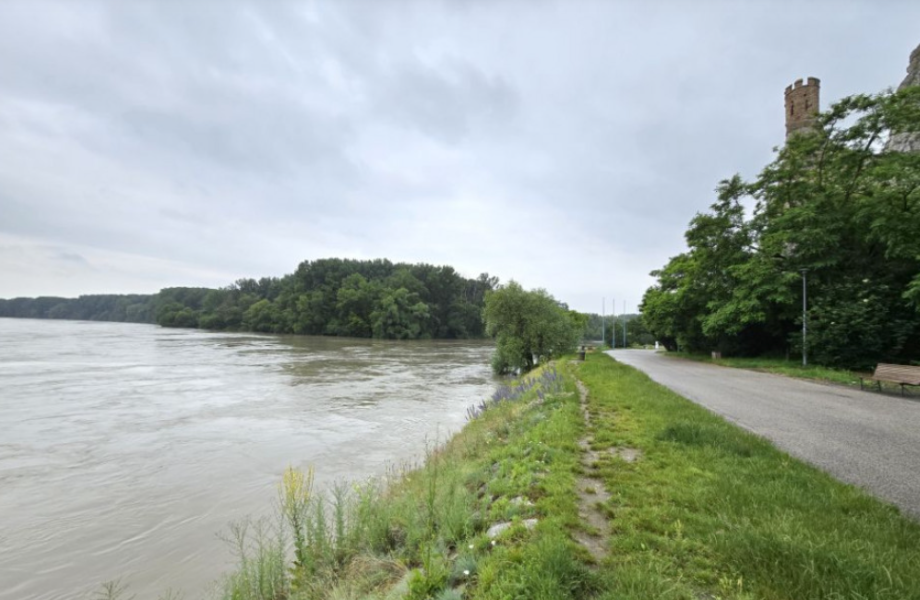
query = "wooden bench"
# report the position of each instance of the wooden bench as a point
(900, 374)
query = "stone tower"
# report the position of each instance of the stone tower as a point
(908, 142)
(802, 104)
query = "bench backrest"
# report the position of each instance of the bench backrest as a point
(900, 373)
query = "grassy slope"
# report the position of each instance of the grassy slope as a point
(714, 510)
(708, 512)
(424, 536)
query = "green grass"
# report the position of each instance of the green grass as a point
(711, 511)
(790, 368)
(707, 512)
(424, 534)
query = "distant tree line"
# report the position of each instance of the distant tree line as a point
(637, 333)
(339, 297)
(129, 308)
(836, 203)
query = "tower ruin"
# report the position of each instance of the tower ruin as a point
(802, 104)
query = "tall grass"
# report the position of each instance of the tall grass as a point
(419, 536)
(420, 533)
(262, 566)
(547, 381)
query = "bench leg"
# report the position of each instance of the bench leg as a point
(879, 386)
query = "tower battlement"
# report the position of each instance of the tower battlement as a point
(803, 101)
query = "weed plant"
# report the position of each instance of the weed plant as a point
(548, 381)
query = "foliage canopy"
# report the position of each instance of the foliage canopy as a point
(836, 204)
(357, 298)
(528, 327)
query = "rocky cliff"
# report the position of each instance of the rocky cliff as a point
(908, 142)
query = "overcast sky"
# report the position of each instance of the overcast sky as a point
(562, 144)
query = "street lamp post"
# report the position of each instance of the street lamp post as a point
(783, 257)
(804, 317)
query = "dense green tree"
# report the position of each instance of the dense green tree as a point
(400, 315)
(837, 205)
(362, 298)
(309, 313)
(264, 317)
(637, 334)
(356, 302)
(671, 308)
(528, 327)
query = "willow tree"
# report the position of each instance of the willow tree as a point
(528, 326)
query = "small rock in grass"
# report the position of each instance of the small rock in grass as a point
(629, 455)
(497, 529)
(521, 501)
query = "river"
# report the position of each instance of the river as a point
(125, 450)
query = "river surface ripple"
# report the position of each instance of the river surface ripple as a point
(126, 449)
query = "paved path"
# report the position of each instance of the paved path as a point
(864, 438)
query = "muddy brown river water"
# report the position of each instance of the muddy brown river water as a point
(125, 450)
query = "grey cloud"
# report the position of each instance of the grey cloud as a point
(562, 143)
(184, 217)
(71, 257)
(448, 99)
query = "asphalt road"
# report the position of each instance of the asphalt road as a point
(864, 438)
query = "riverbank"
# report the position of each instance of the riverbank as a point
(433, 531)
(695, 508)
